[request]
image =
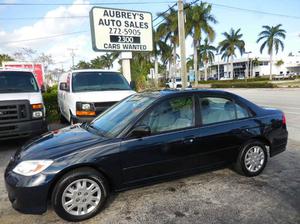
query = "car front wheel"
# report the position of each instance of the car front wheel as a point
(79, 194)
(252, 159)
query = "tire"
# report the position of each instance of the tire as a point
(252, 159)
(82, 197)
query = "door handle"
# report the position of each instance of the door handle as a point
(188, 141)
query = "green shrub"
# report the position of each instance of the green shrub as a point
(256, 79)
(50, 100)
(243, 85)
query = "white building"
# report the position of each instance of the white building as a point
(256, 66)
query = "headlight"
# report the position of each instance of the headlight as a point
(32, 167)
(86, 106)
(85, 109)
(37, 114)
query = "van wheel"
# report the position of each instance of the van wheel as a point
(252, 159)
(80, 194)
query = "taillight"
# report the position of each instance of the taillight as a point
(283, 119)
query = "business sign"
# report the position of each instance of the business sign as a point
(121, 30)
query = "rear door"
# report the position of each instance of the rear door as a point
(224, 125)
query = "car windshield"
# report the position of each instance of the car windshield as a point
(98, 81)
(17, 82)
(115, 119)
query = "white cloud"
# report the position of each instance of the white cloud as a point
(57, 46)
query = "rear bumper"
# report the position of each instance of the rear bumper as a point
(23, 129)
(279, 143)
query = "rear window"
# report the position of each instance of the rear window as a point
(17, 82)
(98, 81)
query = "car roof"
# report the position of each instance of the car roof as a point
(94, 70)
(170, 92)
(15, 70)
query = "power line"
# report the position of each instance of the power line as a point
(44, 37)
(83, 4)
(50, 17)
(255, 11)
(189, 4)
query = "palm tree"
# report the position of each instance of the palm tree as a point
(231, 42)
(199, 20)
(168, 31)
(207, 54)
(5, 57)
(272, 37)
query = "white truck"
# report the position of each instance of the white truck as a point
(22, 110)
(84, 94)
(175, 83)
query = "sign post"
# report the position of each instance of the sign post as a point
(121, 30)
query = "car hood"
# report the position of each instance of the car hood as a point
(102, 96)
(33, 97)
(58, 143)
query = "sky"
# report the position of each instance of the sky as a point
(75, 33)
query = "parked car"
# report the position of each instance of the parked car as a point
(84, 94)
(143, 139)
(225, 78)
(175, 83)
(22, 110)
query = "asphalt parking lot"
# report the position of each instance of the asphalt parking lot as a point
(220, 196)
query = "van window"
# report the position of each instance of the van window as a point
(98, 81)
(17, 82)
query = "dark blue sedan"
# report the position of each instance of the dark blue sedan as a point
(143, 139)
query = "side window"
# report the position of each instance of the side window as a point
(216, 109)
(170, 115)
(241, 112)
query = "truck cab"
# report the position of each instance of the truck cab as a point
(22, 110)
(84, 94)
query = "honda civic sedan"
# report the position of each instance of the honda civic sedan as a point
(145, 138)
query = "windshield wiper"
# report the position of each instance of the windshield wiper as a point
(114, 89)
(96, 129)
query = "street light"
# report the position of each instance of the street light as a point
(247, 65)
(218, 65)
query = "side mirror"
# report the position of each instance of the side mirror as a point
(140, 131)
(43, 89)
(132, 85)
(63, 86)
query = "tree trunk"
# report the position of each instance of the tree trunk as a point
(174, 60)
(205, 71)
(195, 61)
(271, 63)
(156, 72)
(232, 75)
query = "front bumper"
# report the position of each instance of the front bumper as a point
(23, 129)
(28, 195)
(83, 119)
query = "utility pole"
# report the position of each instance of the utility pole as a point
(218, 75)
(72, 55)
(182, 44)
(247, 65)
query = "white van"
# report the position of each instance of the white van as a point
(22, 110)
(84, 94)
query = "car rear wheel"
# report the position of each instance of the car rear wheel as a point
(252, 159)
(80, 194)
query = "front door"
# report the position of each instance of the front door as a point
(172, 124)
